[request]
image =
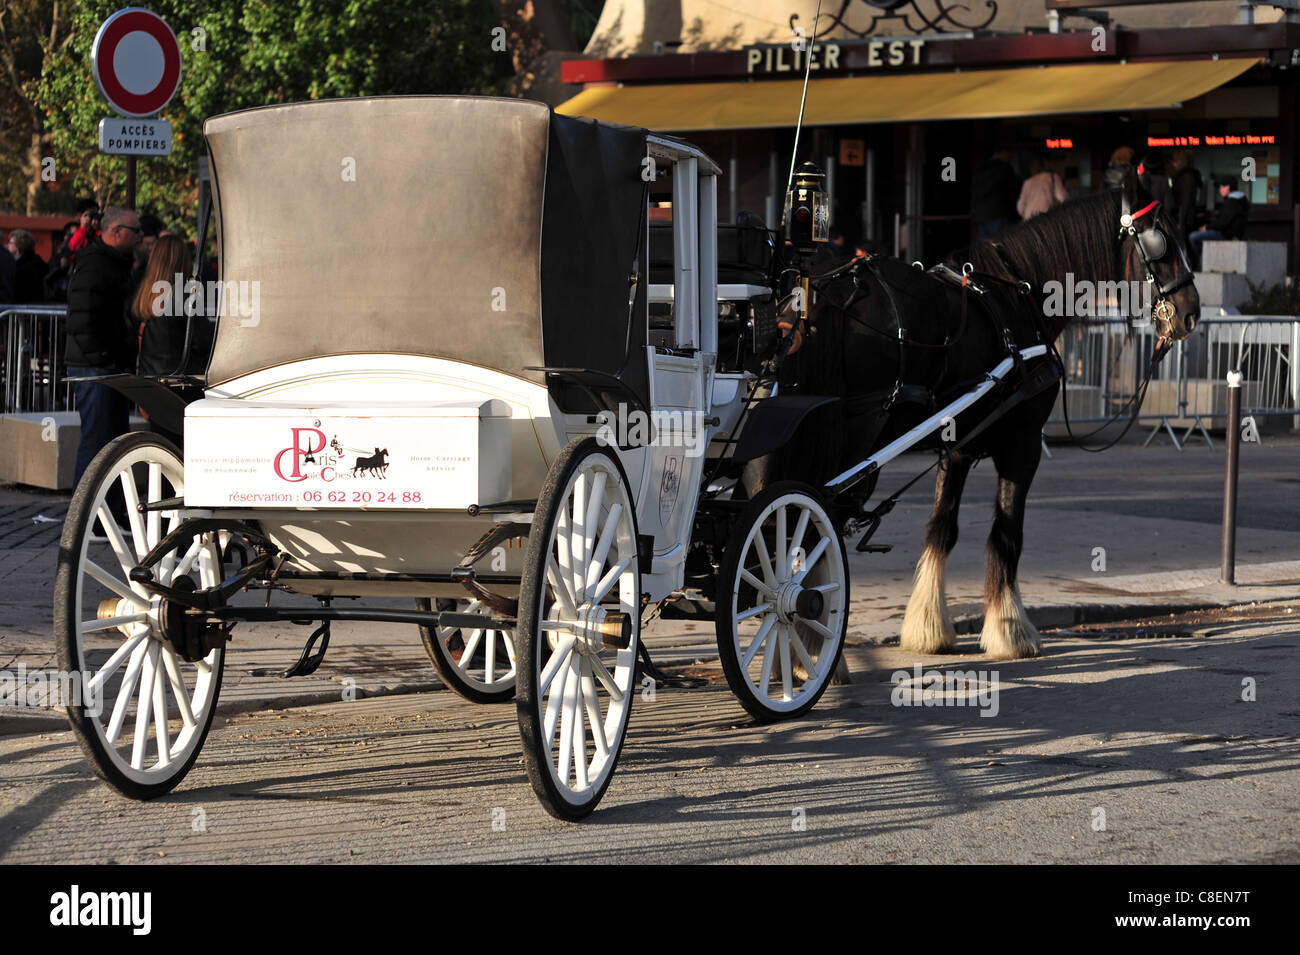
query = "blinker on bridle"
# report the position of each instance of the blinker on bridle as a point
(1152, 246)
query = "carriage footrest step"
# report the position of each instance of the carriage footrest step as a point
(866, 548)
(309, 662)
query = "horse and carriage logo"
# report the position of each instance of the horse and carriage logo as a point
(309, 455)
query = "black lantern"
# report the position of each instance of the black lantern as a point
(808, 210)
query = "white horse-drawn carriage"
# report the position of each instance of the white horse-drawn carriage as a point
(468, 382)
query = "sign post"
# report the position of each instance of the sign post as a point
(136, 62)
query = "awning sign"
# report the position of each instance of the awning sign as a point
(135, 137)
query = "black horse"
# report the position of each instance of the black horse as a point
(951, 337)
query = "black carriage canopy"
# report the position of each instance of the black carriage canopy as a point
(483, 230)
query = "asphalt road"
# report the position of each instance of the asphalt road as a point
(1131, 743)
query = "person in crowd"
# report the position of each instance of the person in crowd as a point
(1153, 176)
(99, 340)
(8, 277)
(161, 332)
(1185, 192)
(1121, 161)
(152, 227)
(88, 226)
(56, 280)
(1041, 191)
(1228, 221)
(30, 268)
(994, 191)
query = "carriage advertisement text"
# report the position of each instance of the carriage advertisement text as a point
(351, 462)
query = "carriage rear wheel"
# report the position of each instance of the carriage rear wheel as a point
(139, 709)
(579, 623)
(782, 599)
(477, 664)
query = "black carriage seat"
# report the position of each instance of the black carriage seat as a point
(745, 252)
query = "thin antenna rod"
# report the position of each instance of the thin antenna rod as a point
(807, 69)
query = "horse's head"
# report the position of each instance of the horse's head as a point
(1153, 249)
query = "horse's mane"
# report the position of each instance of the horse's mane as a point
(1077, 236)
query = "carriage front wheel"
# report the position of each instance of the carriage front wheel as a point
(782, 602)
(579, 623)
(138, 707)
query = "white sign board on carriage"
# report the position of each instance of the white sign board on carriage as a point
(349, 455)
(135, 137)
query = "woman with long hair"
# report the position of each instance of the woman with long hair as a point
(158, 308)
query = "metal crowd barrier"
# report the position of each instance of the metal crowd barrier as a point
(1106, 359)
(31, 337)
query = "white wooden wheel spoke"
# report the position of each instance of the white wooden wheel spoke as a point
(764, 560)
(563, 562)
(796, 539)
(186, 563)
(820, 629)
(490, 656)
(179, 692)
(569, 710)
(96, 682)
(144, 707)
(160, 713)
(597, 563)
(115, 540)
(153, 519)
(759, 639)
(592, 700)
(813, 557)
(555, 577)
(111, 623)
(112, 583)
(167, 566)
(782, 558)
(138, 537)
(757, 584)
(753, 612)
(471, 644)
(558, 658)
(765, 677)
(787, 688)
(578, 533)
(606, 678)
(608, 581)
(797, 642)
(579, 732)
(590, 521)
(827, 588)
(127, 687)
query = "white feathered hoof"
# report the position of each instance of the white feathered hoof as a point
(1008, 633)
(927, 628)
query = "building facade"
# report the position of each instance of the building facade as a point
(906, 100)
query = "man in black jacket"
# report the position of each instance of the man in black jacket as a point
(100, 338)
(1229, 221)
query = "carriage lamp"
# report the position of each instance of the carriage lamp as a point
(807, 210)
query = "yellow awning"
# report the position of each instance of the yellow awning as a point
(1027, 91)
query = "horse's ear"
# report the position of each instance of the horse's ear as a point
(1130, 187)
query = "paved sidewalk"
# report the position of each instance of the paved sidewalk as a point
(1154, 512)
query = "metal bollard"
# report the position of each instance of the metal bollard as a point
(1231, 464)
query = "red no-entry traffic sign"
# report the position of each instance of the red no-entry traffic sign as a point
(136, 60)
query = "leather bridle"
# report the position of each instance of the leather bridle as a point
(1153, 246)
